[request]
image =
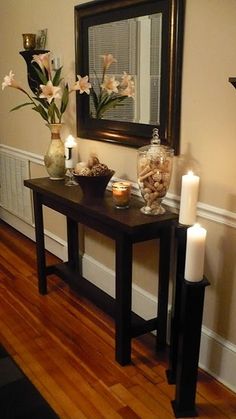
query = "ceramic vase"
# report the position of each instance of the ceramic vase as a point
(54, 158)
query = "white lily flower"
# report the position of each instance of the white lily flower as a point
(110, 85)
(82, 85)
(8, 79)
(50, 92)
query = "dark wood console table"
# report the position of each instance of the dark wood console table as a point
(125, 227)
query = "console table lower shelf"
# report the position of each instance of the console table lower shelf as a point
(100, 298)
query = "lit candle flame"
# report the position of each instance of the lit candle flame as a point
(70, 142)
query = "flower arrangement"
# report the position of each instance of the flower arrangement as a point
(52, 95)
(111, 92)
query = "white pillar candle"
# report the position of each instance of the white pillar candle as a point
(69, 144)
(188, 199)
(195, 253)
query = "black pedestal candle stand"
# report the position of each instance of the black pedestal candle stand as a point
(180, 236)
(185, 334)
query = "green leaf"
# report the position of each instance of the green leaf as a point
(64, 99)
(51, 114)
(41, 75)
(94, 97)
(53, 111)
(42, 101)
(57, 77)
(56, 110)
(106, 105)
(21, 106)
(41, 111)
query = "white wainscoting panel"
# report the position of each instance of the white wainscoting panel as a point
(14, 197)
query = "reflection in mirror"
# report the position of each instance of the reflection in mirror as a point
(136, 46)
(145, 39)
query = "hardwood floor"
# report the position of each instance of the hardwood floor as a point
(65, 345)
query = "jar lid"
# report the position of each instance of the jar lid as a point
(155, 148)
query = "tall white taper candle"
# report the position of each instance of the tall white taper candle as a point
(69, 144)
(195, 253)
(188, 199)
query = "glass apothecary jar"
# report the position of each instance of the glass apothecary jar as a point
(154, 171)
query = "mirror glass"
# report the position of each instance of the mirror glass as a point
(132, 53)
(137, 45)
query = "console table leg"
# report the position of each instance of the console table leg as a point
(163, 286)
(73, 244)
(40, 245)
(188, 349)
(123, 300)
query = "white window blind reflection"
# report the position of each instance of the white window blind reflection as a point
(119, 39)
(155, 68)
(136, 44)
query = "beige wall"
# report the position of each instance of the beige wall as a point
(208, 132)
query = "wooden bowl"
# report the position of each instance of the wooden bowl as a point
(93, 186)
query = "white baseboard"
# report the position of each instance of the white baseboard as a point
(217, 355)
(143, 303)
(53, 244)
(218, 358)
(17, 223)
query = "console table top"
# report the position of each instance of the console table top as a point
(71, 199)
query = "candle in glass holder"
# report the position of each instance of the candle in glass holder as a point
(121, 194)
(29, 40)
